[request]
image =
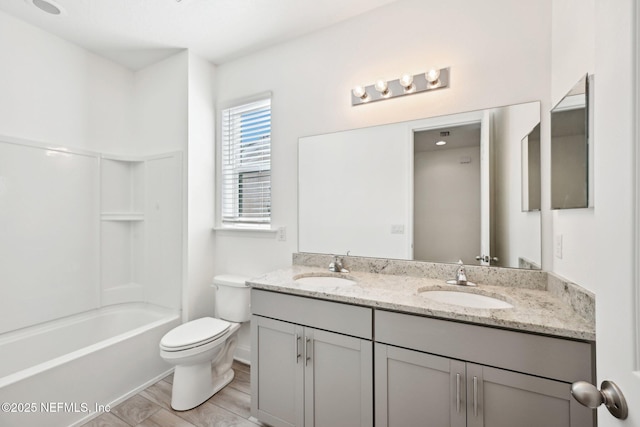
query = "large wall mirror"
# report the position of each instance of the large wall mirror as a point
(438, 189)
(571, 160)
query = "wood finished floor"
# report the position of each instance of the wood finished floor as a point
(152, 407)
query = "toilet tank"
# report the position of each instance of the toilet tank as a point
(232, 297)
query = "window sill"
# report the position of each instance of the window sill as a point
(246, 231)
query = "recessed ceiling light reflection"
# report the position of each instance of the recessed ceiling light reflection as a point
(48, 6)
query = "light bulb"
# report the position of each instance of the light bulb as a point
(382, 86)
(360, 91)
(406, 80)
(432, 76)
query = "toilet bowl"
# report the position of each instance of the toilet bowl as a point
(202, 349)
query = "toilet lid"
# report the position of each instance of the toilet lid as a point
(195, 332)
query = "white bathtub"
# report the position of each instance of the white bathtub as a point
(62, 372)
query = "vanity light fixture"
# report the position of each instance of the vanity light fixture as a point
(407, 84)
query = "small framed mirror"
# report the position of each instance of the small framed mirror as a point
(571, 150)
(531, 178)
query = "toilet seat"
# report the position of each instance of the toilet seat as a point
(194, 334)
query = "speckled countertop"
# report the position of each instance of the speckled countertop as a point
(534, 310)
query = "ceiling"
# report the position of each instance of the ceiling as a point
(137, 33)
(458, 137)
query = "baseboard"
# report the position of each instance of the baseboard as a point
(243, 354)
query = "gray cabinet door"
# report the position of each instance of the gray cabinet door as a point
(338, 380)
(418, 389)
(499, 398)
(277, 372)
(309, 377)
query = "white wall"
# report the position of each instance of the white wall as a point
(56, 92)
(160, 106)
(492, 48)
(573, 55)
(200, 191)
(174, 110)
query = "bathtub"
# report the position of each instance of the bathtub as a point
(64, 372)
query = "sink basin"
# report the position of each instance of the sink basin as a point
(466, 299)
(325, 281)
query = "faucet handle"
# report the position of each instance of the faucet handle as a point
(336, 264)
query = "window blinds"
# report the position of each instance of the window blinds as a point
(246, 164)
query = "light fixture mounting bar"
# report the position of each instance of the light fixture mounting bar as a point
(395, 89)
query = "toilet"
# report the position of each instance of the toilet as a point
(202, 349)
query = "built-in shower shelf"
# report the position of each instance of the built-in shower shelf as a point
(122, 216)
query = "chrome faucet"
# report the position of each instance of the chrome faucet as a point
(461, 276)
(337, 265)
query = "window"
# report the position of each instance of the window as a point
(246, 164)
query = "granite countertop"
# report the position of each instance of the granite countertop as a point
(534, 310)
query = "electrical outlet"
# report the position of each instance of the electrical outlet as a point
(558, 246)
(281, 235)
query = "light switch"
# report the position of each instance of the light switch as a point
(281, 235)
(558, 246)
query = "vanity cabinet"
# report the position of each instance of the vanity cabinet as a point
(442, 373)
(312, 362)
(415, 388)
(501, 398)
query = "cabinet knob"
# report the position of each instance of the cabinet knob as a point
(610, 394)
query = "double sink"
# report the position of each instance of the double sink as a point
(460, 296)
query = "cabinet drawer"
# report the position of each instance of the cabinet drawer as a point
(543, 356)
(331, 316)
